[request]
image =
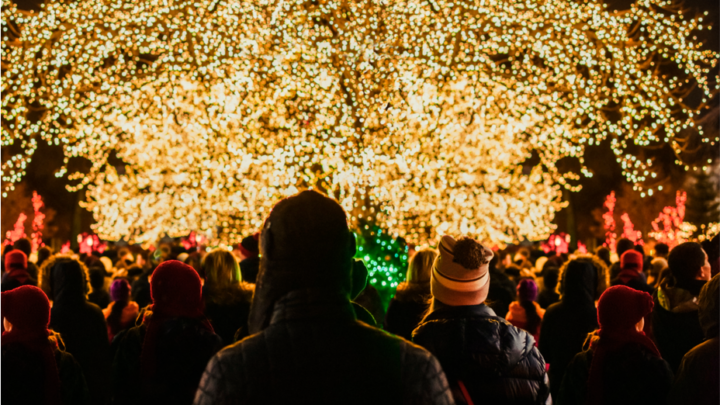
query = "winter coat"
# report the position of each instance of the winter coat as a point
(127, 317)
(10, 283)
(23, 373)
(227, 310)
(100, 298)
(406, 310)
(363, 315)
(675, 322)
(82, 326)
(636, 283)
(315, 352)
(501, 293)
(518, 317)
(632, 376)
(496, 362)
(547, 298)
(567, 323)
(183, 349)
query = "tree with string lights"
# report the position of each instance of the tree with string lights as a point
(419, 116)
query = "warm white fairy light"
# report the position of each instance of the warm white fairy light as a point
(418, 114)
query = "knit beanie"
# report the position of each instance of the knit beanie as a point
(249, 246)
(176, 290)
(460, 273)
(527, 290)
(631, 260)
(120, 290)
(15, 259)
(27, 308)
(621, 307)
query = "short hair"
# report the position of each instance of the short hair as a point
(623, 245)
(550, 279)
(603, 253)
(662, 249)
(24, 245)
(685, 261)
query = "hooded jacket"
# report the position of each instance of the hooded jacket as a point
(675, 323)
(81, 324)
(496, 362)
(567, 323)
(698, 379)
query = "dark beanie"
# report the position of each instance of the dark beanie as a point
(305, 231)
(249, 246)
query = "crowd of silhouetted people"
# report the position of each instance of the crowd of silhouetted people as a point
(288, 317)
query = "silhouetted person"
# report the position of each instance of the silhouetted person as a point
(549, 295)
(621, 364)
(250, 266)
(306, 345)
(16, 273)
(411, 299)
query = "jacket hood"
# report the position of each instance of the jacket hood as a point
(579, 283)
(68, 283)
(709, 308)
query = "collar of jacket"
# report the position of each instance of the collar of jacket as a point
(310, 304)
(443, 311)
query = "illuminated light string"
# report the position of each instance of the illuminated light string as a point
(418, 116)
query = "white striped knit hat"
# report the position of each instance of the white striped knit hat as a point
(454, 284)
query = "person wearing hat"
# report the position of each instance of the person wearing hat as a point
(631, 267)
(486, 359)
(35, 369)
(620, 364)
(306, 344)
(525, 313)
(161, 360)
(16, 265)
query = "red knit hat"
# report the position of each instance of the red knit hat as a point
(631, 259)
(176, 290)
(621, 307)
(27, 308)
(454, 284)
(15, 259)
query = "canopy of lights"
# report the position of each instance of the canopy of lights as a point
(419, 116)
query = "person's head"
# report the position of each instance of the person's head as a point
(623, 245)
(23, 244)
(97, 277)
(657, 265)
(221, 269)
(631, 260)
(120, 290)
(249, 246)
(603, 253)
(527, 290)
(578, 282)
(550, 279)
(43, 254)
(709, 307)
(15, 260)
(176, 290)
(621, 310)
(460, 274)
(420, 266)
(68, 279)
(687, 261)
(27, 311)
(305, 244)
(661, 250)
(599, 270)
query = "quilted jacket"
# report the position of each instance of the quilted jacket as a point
(315, 352)
(495, 361)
